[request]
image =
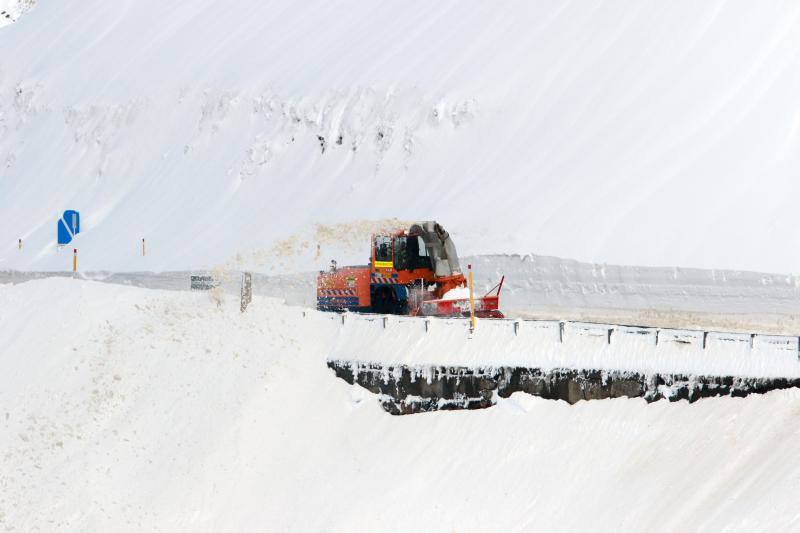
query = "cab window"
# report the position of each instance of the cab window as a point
(383, 249)
(401, 258)
(418, 253)
(410, 253)
(422, 251)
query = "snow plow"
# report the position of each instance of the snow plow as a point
(413, 271)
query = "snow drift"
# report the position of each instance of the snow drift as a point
(627, 132)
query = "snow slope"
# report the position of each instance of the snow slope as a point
(129, 409)
(622, 132)
(11, 10)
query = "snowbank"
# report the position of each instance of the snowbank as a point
(129, 409)
(552, 344)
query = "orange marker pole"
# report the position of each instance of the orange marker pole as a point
(471, 302)
(74, 260)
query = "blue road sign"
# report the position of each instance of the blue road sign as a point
(68, 226)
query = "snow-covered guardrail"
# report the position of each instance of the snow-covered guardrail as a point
(563, 344)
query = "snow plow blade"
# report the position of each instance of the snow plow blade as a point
(486, 306)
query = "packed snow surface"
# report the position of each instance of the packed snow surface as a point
(630, 132)
(128, 409)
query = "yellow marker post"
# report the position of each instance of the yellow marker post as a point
(74, 260)
(471, 302)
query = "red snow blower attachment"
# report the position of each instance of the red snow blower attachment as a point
(486, 306)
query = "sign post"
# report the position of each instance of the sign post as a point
(247, 291)
(68, 227)
(471, 302)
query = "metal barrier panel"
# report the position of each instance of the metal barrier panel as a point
(685, 337)
(629, 335)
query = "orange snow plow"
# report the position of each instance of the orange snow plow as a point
(411, 272)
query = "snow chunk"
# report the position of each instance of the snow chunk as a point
(459, 293)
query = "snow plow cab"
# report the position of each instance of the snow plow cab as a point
(411, 272)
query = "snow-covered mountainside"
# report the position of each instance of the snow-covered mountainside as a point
(625, 132)
(11, 10)
(127, 409)
(277, 135)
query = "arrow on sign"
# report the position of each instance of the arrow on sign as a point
(69, 226)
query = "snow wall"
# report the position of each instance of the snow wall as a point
(407, 390)
(426, 364)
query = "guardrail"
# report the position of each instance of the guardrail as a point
(561, 331)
